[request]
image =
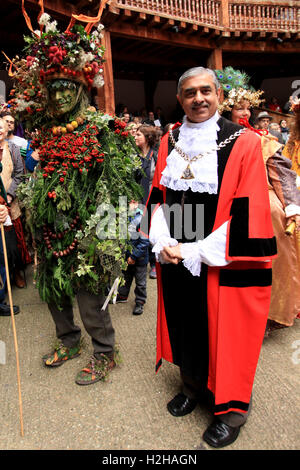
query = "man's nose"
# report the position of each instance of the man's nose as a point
(198, 96)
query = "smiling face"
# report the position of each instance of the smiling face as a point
(241, 111)
(199, 97)
(62, 97)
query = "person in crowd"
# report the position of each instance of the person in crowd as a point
(274, 106)
(146, 140)
(15, 139)
(274, 129)
(137, 120)
(207, 325)
(132, 128)
(150, 119)
(126, 118)
(137, 260)
(263, 121)
(285, 207)
(121, 109)
(11, 249)
(12, 173)
(287, 105)
(292, 148)
(31, 157)
(284, 130)
(160, 117)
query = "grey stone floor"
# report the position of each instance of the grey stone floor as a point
(128, 412)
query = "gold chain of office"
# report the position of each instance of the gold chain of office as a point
(188, 174)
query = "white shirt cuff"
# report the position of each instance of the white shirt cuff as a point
(210, 251)
(159, 234)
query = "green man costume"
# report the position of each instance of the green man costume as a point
(87, 162)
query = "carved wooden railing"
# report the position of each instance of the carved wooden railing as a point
(253, 15)
(258, 16)
(205, 12)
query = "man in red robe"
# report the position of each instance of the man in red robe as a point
(210, 227)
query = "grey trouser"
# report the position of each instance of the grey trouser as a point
(140, 275)
(97, 323)
(193, 389)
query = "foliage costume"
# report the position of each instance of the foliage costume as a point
(87, 161)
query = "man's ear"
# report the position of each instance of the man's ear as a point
(178, 99)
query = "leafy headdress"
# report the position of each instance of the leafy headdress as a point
(75, 54)
(236, 88)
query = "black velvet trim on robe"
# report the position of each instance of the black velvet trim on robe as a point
(239, 242)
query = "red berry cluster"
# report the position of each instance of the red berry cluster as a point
(120, 128)
(61, 154)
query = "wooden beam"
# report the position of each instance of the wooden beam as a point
(168, 24)
(106, 94)
(215, 60)
(141, 32)
(191, 28)
(155, 20)
(140, 18)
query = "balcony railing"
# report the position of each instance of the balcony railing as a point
(253, 15)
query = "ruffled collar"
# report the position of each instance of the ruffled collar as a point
(194, 138)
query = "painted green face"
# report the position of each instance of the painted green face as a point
(62, 97)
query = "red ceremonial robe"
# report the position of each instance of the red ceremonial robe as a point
(238, 295)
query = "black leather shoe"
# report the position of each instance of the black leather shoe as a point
(181, 405)
(219, 434)
(138, 309)
(5, 310)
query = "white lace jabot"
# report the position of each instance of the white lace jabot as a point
(194, 138)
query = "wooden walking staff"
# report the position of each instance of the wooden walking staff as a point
(3, 194)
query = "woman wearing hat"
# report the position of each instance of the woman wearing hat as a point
(285, 207)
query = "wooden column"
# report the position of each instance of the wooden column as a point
(224, 13)
(215, 60)
(106, 94)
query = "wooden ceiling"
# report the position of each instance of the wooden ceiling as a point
(147, 46)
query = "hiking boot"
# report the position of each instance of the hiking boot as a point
(96, 370)
(60, 355)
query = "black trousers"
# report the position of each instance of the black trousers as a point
(97, 323)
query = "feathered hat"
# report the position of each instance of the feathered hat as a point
(236, 88)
